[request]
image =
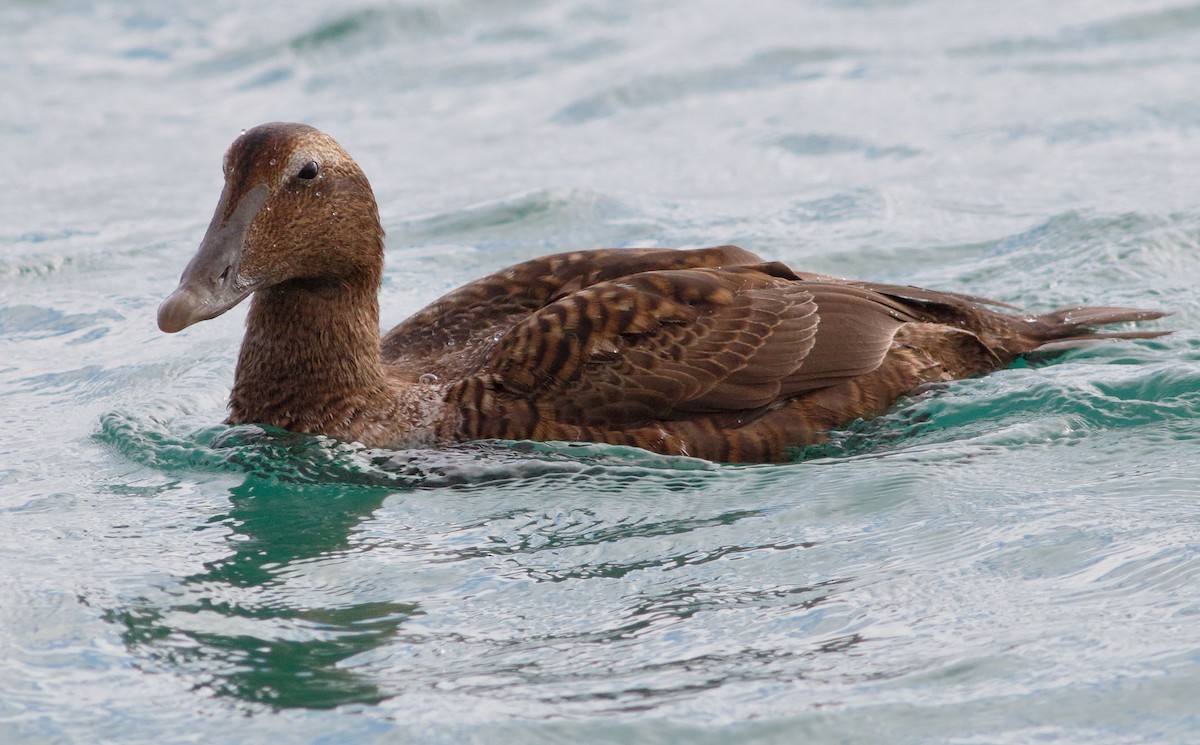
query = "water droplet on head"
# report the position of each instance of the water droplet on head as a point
(318, 194)
(243, 131)
(271, 161)
(427, 379)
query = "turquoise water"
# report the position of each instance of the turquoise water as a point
(1002, 560)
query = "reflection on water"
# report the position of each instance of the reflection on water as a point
(291, 617)
(238, 636)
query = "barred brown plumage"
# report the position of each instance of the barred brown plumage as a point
(710, 352)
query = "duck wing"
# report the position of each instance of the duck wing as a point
(663, 345)
(453, 335)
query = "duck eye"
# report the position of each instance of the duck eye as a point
(309, 170)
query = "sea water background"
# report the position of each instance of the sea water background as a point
(1009, 559)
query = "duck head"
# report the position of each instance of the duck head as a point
(295, 207)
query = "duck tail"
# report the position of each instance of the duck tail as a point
(1067, 328)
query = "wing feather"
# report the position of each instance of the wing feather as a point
(454, 334)
(670, 344)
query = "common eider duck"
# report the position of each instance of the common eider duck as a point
(712, 353)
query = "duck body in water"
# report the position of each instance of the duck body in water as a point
(712, 353)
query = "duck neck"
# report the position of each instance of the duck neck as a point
(310, 359)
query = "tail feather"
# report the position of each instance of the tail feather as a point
(1080, 315)
(1067, 328)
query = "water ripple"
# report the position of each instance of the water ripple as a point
(769, 68)
(1131, 28)
(275, 454)
(554, 216)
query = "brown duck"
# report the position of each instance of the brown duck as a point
(712, 352)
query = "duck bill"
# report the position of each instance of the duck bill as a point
(211, 283)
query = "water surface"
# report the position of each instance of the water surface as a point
(1008, 559)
